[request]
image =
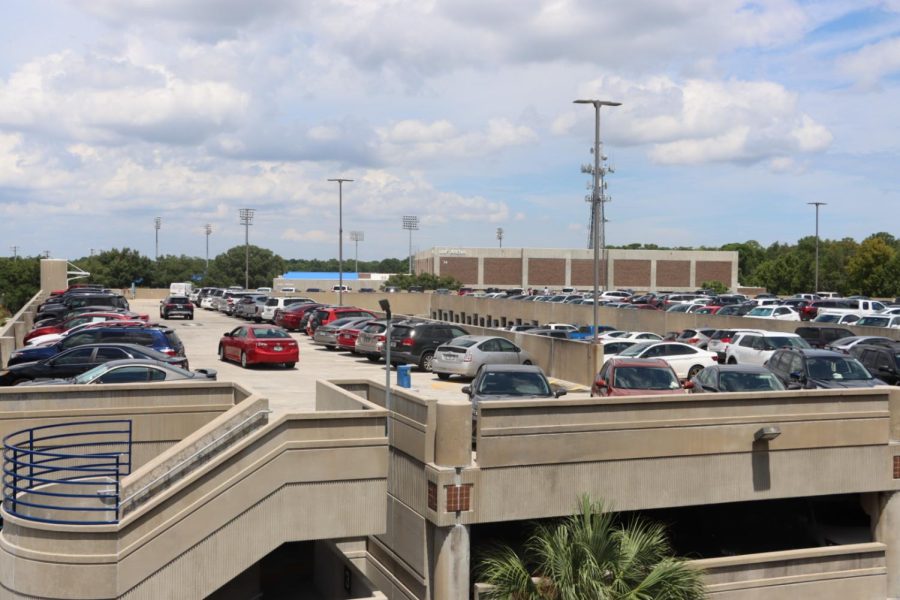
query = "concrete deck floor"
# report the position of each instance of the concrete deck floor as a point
(291, 390)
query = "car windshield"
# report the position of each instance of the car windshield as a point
(506, 383)
(760, 311)
(645, 378)
(268, 333)
(636, 349)
(735, 381)
(873, 322)
(836, 368)
(776, 342)
(826, 318)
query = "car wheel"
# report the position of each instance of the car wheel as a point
(191, 318)
(244, 359)
(692, 372)
(221, 352)
(426, 361)
(443, 376)
(373, 358)
(527, 362)
(289, 365)
(732, 361)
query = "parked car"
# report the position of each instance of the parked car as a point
(291, 317)
(721, 339)
(370, 341)
(210, 300)
(614, 347)
(810, 368)
(327, 314)
(696, 337)
(176, 306)
(736, 378)
(75, 321)
(415, 343)
(62, 309)
(273, 304)
(326, 335)
(560, 334)
(249, 307)
(162, 339)
(638, 336)
(509, 382)
(51, 338)
(887, 321)
(735, 310)
(132, 370)
(881, 361)
(467, 354)
(79, 359)
(347, 335)
(779, 313)
(756, 347)
(686, 360)
(846, 345)
(254, 344)
(836, 318)
(819, 337)
(636, 377)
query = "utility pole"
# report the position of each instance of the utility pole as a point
(340, 181)
(410, 223)
(246, 215)
(817, 205)
(356, 237)
(157, 223)
(597, 200)
(15, 251)
(208, 229)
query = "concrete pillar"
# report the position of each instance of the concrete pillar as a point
(887, 531)
(449, 562)
(653, 286)
(568, 279)
(524, 271)
(694, 283)
(7, 347)
(480, 271)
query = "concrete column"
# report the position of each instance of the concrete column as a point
(653, 286)
(480, 271)
(449, 562)
(887, 531)
(568, 279)
(7, 347)
(694, 282)
(524, 271)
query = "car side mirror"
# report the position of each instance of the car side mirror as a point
(226, 334)
(466, 390)
(602, 383)
(559, 393)
(688, 385)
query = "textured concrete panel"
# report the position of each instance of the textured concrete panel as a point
(673, 273)
(502, 271)
(632, 273)
(546, 271)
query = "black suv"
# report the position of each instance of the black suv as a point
(176, 306)
(883, 361)
(60, 309)
(810, 368)
(819, 337)
(414, 342)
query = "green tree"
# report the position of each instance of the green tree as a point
(750, 255)
(716, 286)
(590, 556)
(117, 268)
(873, 270)
(427, 281)
(169, 269)
(228, 267)
(20, 280)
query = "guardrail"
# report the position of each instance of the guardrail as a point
(66, 473)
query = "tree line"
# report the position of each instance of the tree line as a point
(870, 267)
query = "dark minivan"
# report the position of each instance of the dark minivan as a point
(415, 343)
(819, 337)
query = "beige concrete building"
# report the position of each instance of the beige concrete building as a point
(651, 270)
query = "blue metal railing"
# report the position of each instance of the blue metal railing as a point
(67, 473)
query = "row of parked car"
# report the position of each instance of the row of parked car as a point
(88, 335)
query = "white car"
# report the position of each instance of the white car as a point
(612, 347)
(273, 304)
(895, 310)
(685, 360)
(889, 321)
(634, 336)
(722, 338)
(779, 313)
(756, 347)
(836, 318)
(560, 327)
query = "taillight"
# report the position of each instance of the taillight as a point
(408, 342)
(467, 357)
(693, 340)
(262, 344)
(170, 352)
(725, 340)
(380, 338)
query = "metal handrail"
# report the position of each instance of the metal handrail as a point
(177, 467)
(36, 472)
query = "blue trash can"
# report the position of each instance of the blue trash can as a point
(404, 377)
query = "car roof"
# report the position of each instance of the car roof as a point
(741, 368)
(638, 362)
(816, 352)
(513, 368)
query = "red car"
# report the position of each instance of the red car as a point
(326, 314)
(254, 344)
(291, 317)
(94, 317)
(637, 377)
(346, 337)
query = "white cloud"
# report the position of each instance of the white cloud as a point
(871, 63)
(414, 141)
(314, 235)
(102, 99)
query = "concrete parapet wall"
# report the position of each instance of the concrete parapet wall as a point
(16, 327)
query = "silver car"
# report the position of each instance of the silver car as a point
(468, 353)
(326, 335)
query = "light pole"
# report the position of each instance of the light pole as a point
(15, 251)
(410, 223)
(356, 237)
(340, 181)
(597, 200)
(246, 215)
(208, 229)
(500, 236)
(817, 205)
(157, 223)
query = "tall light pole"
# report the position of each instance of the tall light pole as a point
(356, 237)
(208, 230)
(817, 205)
(246, 215)
(340, 181)
(157, 223)
(410, 223)
(597, 201)
(15, 251)
(500, 236)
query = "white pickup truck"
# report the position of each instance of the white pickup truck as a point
(855, 307)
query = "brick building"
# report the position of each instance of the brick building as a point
(651, 270)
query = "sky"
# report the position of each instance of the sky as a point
(734, 116)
